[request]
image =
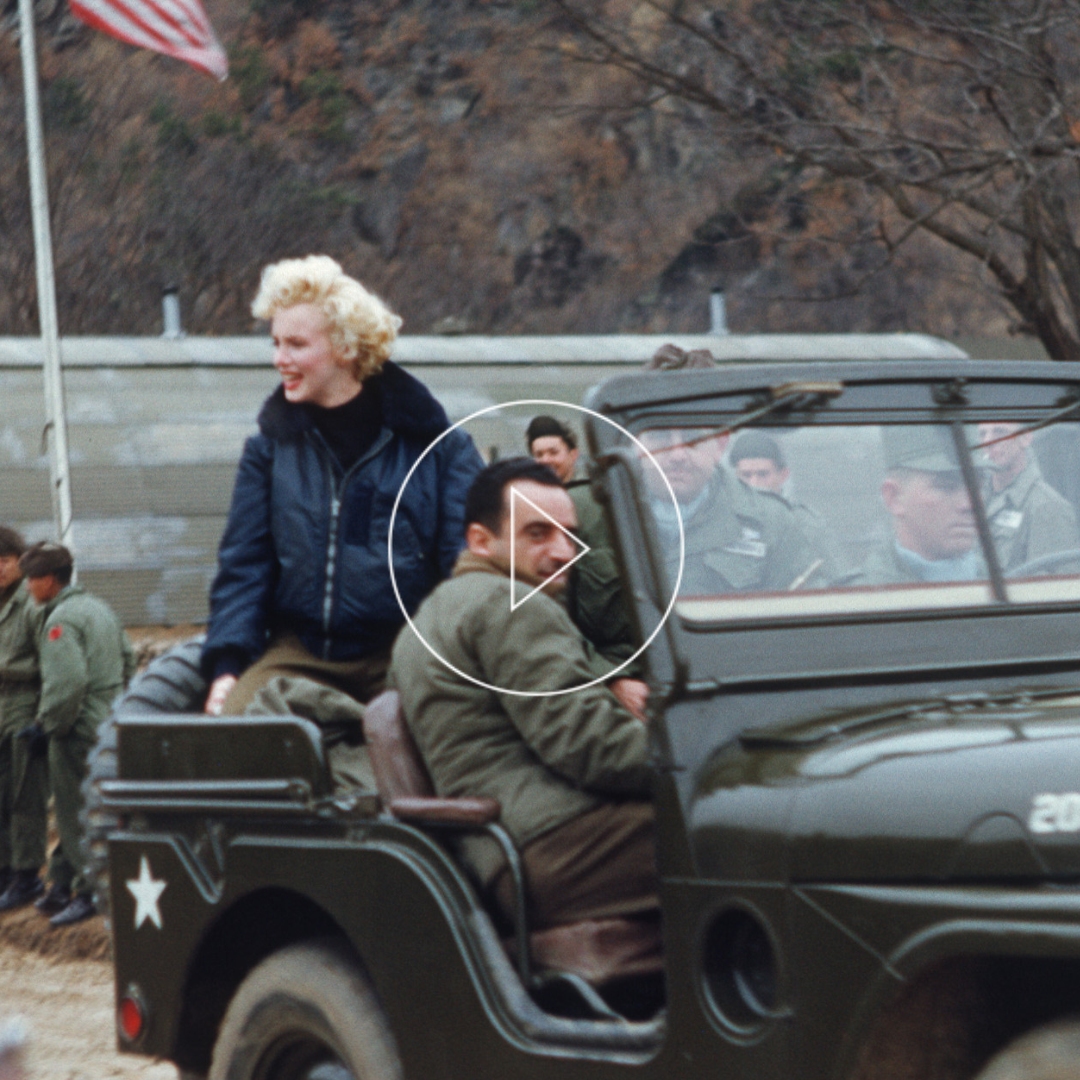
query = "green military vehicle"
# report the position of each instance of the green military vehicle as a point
(867, 781)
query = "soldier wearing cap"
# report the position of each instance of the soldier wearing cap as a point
(934, 532)
(738, 539)
(1028, 518)
(85, 661)
(759, 462)
(24, 786)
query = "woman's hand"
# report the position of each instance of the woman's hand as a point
(219, 691)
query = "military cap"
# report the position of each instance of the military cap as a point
(44, 558)
(756, 444)
(926, 448)
(541, 427)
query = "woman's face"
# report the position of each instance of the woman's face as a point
(305, 358)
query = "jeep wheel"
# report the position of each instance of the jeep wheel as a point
(171, 683)
(1047, 1053)
(305, 1013)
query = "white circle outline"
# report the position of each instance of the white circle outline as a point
(480, 682)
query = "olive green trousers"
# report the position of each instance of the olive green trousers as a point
(24, 785)
(67, 770)
(361, 679)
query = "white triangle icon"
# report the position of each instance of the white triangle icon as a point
(515, 495)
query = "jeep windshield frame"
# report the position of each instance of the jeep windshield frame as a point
(763, 638)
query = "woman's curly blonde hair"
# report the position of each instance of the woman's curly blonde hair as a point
(362, 329)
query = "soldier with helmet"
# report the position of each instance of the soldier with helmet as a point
(86, 660)
(23, 773)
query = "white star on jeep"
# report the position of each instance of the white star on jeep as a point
(146, 892)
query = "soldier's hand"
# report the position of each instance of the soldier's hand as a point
(633, 695)
(37, 742)
(219, 691)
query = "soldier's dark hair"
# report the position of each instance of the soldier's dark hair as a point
(484, 503)
(541, 427)
(11, 542)
(45, 558)
(756, 444)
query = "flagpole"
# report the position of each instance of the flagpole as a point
(55, 418)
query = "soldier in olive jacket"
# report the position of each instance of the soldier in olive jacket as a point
(24, 785)
(86, 660)
(501, 707)
(1029, 520)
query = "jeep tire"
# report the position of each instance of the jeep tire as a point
(1047, 1053)
(307, 1012)
(171, 683)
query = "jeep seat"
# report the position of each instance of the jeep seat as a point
(600, 951)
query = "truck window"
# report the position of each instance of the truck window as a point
(815, 520)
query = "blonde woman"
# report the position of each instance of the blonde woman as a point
(303, 584)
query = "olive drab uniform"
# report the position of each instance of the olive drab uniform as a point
(86, 659)
(1029, 519)
(551, 759)
(595, 596)
(739, 539)
(887, 564)
(24, 782)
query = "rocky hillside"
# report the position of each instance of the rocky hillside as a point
(455, 156)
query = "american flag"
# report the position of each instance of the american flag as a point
(176, 28)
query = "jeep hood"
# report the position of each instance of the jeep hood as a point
(942, 793)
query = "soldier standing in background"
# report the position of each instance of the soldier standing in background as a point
(23, 773)
(86, 660)
(1029, 520)
(594, 597)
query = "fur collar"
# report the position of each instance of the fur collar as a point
(409, 409)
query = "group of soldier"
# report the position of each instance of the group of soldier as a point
(753, 537)
(63, 659)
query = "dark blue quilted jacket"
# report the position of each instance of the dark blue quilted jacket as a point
(305, 547)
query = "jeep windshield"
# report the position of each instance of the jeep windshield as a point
(792, 514)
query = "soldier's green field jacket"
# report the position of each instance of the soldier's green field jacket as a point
(20, 623)
(886, 566)
(1029, 519)
(547, 759)
(740, 539)
(86, 659)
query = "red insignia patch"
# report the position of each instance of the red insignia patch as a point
(56, 633)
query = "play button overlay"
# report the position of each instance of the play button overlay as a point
(516, 499)
(521, 503)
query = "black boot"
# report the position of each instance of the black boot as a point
(54, 901)
(25, 887)
(82, 906)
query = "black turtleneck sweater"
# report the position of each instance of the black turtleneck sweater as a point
(351, 429)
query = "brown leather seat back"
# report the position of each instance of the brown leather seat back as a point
(399, 769)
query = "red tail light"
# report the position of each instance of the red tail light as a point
(131, 1016)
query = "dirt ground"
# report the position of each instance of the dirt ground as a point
(59, 982)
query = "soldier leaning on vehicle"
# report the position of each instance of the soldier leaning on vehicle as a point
(24, 788)
(86, 660)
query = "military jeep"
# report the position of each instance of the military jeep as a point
(867, 783)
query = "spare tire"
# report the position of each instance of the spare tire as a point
(171, 683)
